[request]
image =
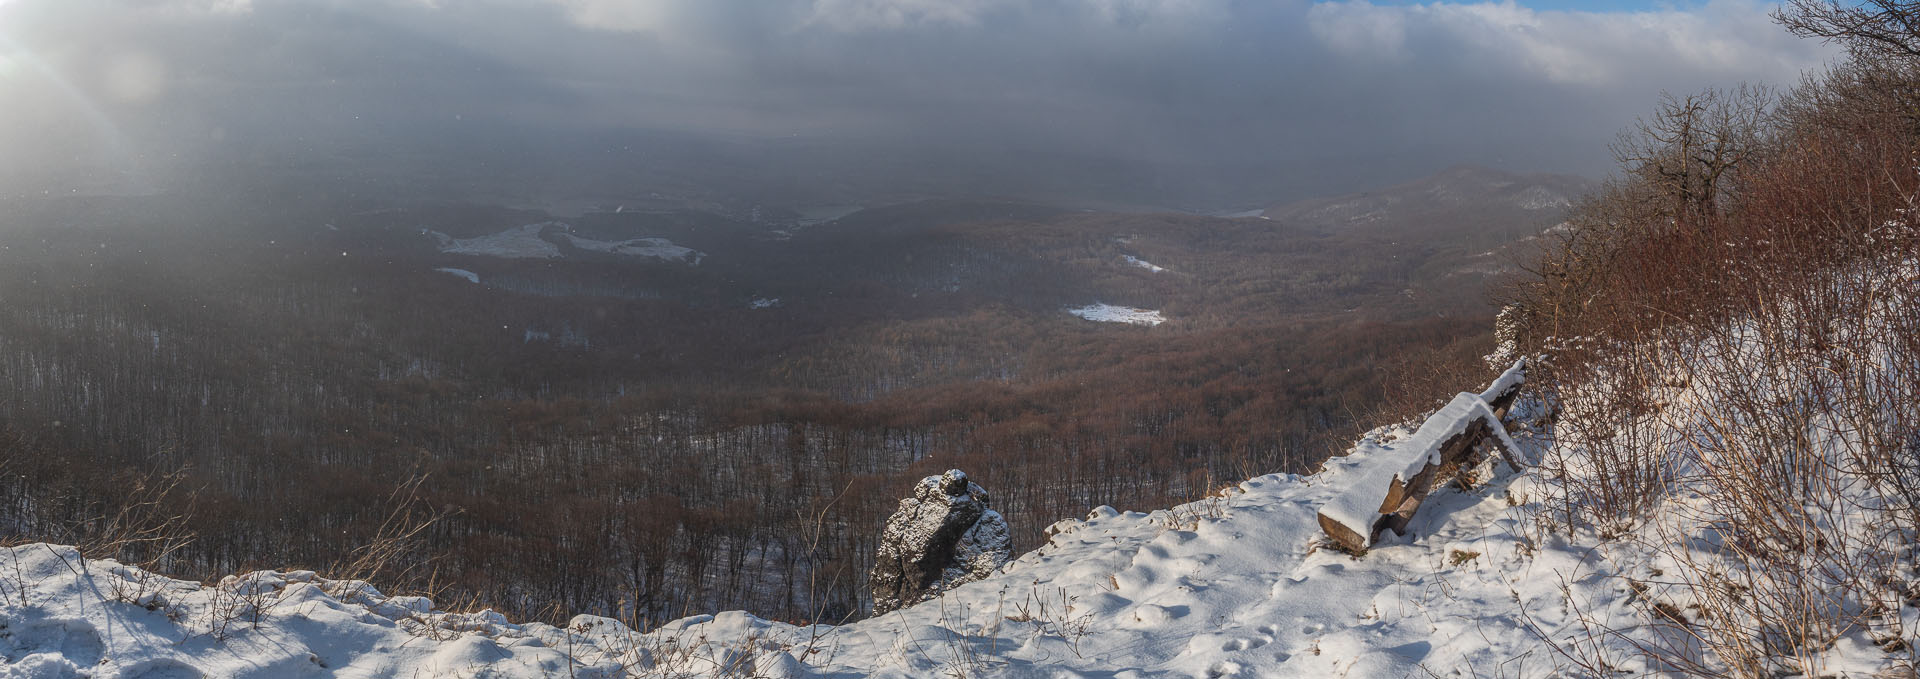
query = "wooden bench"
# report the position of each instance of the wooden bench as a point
(1388, 481)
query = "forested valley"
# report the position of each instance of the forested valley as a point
(283, 378)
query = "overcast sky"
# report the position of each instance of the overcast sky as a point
(1273, 96)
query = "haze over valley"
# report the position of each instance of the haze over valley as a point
(712, 376)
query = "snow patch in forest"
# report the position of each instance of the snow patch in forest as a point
(657, 248)
(763, 303)
(821, 214)
(1541, 198)
(463, 273)
(1144, 264)
(1108, 313)
(520, 242)
(530, 242)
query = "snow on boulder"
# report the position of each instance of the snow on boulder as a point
(1507, 326)
(942, 537)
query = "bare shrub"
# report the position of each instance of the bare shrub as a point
(1053, 614)
(1729, 331)
(147, 525)
(389, 555)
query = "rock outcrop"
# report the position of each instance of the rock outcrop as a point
(943, 536)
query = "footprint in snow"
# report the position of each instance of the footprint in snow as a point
(71, 638)
(1223, 669)
(161, 669)
(1244, 644)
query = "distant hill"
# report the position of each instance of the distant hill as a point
(1465, 204)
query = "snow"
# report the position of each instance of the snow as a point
(1513, 376)
(1232, 586)
(1108, 313)
(520, 242)
(1541, 198)
(1376, 464)
(463, 273)
(658, 248)
(1144, 264)
(763, 303)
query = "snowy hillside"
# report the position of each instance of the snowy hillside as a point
(1241, 583)
(1229, 586)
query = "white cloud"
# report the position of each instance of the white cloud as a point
(198, 6)
(867, 15)
(1276, 93)
(623, 15)
(1360, 30)
(1734, 37)
(134, 78)
(855, 15)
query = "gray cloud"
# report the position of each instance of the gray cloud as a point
(1176, 102)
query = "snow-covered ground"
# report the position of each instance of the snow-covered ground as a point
(1108, 313)
(763, 303)
(1237, 585)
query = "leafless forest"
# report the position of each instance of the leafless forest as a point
(592, 434)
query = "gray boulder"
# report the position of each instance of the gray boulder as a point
(942, 537)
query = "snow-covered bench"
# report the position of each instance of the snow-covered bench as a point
(1386, 482)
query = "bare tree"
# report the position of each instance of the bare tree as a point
(1874, 29)
(1690, 150)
